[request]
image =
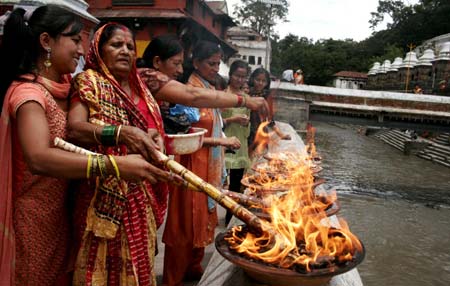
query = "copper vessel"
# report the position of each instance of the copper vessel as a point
(272, 275)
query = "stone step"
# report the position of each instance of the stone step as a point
(396, 144)
(440, 149)
(443, 139)
(435, 159)
(436, 154)
(393, 138)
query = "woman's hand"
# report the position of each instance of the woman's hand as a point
(136, 168)
(140, 142)
(258, 104)
(157, 138)
(230, 142)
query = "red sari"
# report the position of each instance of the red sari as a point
(35, 230)
(190, 224)
(115, 220)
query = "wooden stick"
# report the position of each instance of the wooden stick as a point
(245, 199)
(193, 182)
(61, 144)
(238, 210)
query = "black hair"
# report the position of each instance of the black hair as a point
(236, 65)
(21, 48)
(164, 47)
(204, 50)
(256, 73)
(220, 83)
(140, 63)
(108, 32)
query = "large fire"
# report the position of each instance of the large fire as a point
(299, 235)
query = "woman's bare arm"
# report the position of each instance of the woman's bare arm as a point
(82, 132)
(176, 92)
(43, 159)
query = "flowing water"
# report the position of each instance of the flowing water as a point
(399, 206)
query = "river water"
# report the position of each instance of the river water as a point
(399, 206)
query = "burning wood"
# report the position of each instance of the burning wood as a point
(299, 239)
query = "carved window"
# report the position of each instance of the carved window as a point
(251, 60)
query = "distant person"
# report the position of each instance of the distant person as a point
(236, 122)
(245, 88)
(418, 89)
(298, 77)
(287, 76)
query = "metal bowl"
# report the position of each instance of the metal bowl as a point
(180, 144)
(272, 275)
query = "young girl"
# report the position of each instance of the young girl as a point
(37, 54)
(259, 83)
(236, 124)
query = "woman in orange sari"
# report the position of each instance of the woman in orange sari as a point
(37, 53)
(192, 216)
(115, 219)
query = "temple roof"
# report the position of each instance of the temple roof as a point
(351, 74)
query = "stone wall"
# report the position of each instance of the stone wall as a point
(292, 101)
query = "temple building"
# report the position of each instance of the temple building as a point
(350, 79)
(426, 69)
(191, 20)
(252, 47)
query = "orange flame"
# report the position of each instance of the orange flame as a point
(304, 236)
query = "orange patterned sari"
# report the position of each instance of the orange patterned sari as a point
(116, 220)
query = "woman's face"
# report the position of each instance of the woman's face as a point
(208, 68)
(172, 67)
(238, 78)
(259, 82)
(66, 52)
(119, 53)
(245, 88)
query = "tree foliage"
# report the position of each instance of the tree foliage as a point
(259, 16)
(321, 59)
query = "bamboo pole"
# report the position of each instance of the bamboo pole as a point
(193, 182)
(238, 210)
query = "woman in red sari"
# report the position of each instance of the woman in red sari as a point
(192, 216)
(37, 53)
(116, 220)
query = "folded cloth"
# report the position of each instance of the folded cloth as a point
(178, 119)
(192, 113)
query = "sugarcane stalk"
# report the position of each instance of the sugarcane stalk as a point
(246, 200)
(193, 182)
(238, 210)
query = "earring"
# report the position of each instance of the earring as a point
(47, 62)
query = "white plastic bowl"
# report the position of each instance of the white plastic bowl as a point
(179, 144)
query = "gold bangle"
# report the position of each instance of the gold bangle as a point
(94, 169)
(102, 166)
(244, 101)
(114, 163)
(95, 135)
(89, 165)
(118, 134)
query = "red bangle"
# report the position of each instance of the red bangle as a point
(240, 99)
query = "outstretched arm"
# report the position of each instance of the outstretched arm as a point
(176, 92)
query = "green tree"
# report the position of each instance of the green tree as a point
(259, 16)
